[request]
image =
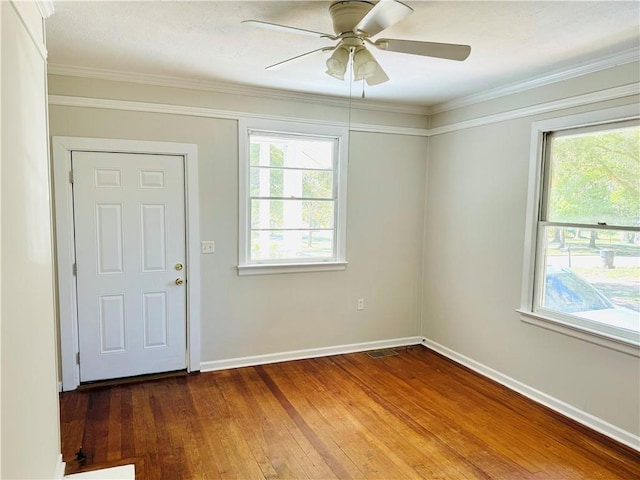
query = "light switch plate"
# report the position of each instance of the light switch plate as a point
(208, 246)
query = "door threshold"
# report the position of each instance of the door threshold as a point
(111, 382)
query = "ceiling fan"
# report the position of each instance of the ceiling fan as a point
(354, 23)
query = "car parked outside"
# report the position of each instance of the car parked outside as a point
(567, 292)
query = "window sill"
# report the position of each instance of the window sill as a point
(613, 342)
(271, 268)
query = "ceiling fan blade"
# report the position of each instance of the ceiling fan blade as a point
(450, 51)
(378, 77)
(383, 15)
(297, 57)
(285, 28)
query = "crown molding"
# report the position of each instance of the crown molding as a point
(538, 109)
(570, 102)
(621, 58)
(46, 8)
(86, 102)
(233, 89)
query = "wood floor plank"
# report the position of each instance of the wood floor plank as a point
(412, 415)
(281, 440)
(418, 450)
(309, 421)
(297, 444)
(365, 438)
(114, 431)
(207, 458)
(235, 442)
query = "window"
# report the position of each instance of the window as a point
(586, 265)
(292, 197)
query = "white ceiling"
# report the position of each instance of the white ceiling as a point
(512, 42)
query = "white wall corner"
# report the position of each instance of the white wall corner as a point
(595, 423)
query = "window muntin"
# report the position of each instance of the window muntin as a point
(292, 197)
(588, 255)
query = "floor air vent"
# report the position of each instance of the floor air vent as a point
(387, 352)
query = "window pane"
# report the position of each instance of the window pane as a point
(278, 151)
(290, 214)
(595, 177)
(266, 153)
(277, 245)
(593, 274)
(266, 182)
(317, 184)
(274, 182)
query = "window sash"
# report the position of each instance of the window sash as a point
(581, 322)
(282, 132)
(294, 204)
(331, 196)
(547, 158)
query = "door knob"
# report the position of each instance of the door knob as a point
(179, 281)
(178, 266)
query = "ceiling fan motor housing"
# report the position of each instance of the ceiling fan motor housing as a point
(345, 15)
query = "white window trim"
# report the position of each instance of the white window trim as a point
(534, 197)
(245, 125)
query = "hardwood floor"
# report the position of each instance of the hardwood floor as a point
(413, 415)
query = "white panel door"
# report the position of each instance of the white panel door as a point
(130, 254)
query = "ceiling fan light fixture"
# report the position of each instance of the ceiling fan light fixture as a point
(337, 63)
(364, 65)
(355, 22)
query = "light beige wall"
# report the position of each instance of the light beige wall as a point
(254, 315)
(474, 247)
(30, 427)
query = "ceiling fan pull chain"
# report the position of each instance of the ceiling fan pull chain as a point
(363, 88)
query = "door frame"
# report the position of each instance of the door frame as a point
(65, 241)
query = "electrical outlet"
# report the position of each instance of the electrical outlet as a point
(361, 304)
(208, 246)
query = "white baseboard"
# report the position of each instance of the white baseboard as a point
(59, 468)
(580, 416)
(310, 353)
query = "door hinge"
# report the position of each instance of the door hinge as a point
(70, 176)
(75, 269)
(78, 358)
